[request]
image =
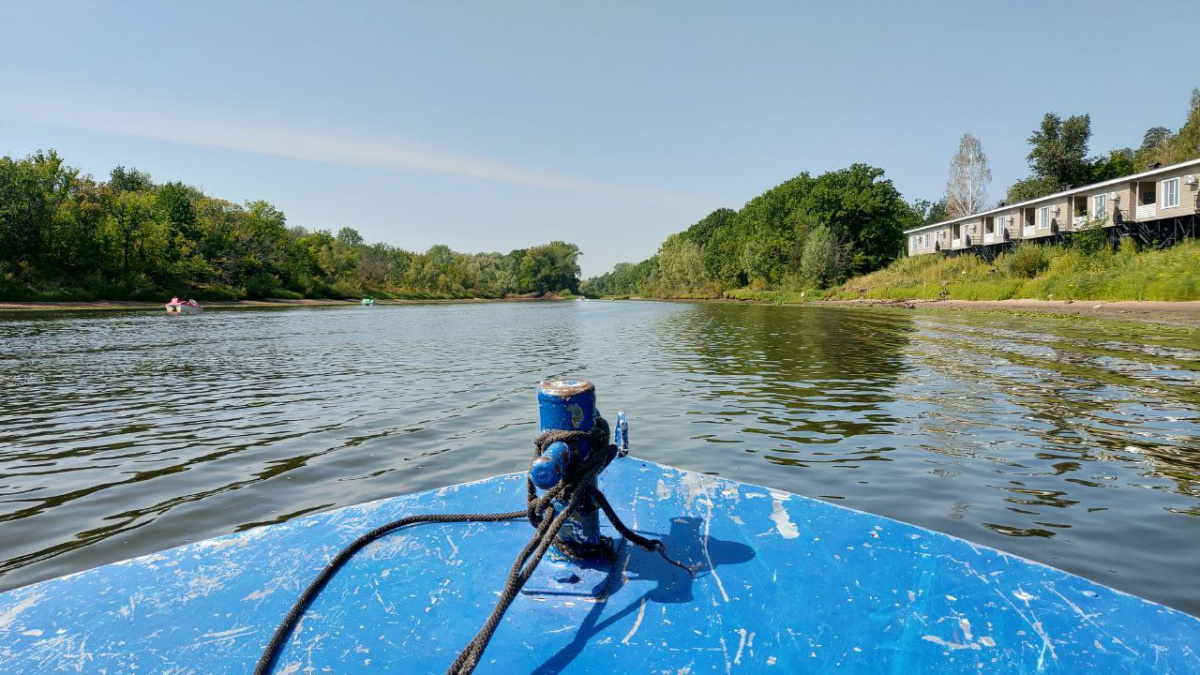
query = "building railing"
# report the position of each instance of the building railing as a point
(1145, 211)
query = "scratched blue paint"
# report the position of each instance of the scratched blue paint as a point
(787, 584)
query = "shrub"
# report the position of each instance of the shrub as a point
(344, 290)
(821, 263)
(1026, 260)
(261, 285)
(1090, 238)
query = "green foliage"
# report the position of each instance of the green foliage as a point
(1025, 260)
(1030, 188)
(1118, 163)
(545, 269)
(1153, 138)
(681, 264)
(928, 212)
(1059, 147)
(1058, 150)
(1090, 238)
(821, 263)
(763, 244)
(67, 236)
(1185, 145)
(1064, 273)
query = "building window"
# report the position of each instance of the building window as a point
(1099, 207)
(1044, 218)
(1170, 193)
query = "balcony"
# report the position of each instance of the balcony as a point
(956, 243)
(1029, 231)
(1078, 222)
(1145, 211)
(989, 237)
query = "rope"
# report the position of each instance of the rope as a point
(539, 511)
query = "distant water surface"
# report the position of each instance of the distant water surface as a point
(1075, 442)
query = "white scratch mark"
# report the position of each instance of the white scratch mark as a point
(9, 615)
(948, 645)
(637, 623)
(787, 529)
(737, 658)
(711, 567)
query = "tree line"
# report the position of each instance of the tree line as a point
(810, 231)
(814, 232)
(66, 236)
(1058, 156)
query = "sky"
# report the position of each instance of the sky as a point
(489, 126)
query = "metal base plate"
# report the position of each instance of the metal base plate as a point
(559, 575)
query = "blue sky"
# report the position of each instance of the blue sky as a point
(496, 125)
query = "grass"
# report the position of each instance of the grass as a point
(1038, 272)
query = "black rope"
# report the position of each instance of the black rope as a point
(541, 514)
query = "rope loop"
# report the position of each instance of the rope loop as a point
(577, 490)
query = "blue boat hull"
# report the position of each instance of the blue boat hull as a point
(787, 584)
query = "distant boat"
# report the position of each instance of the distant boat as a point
(177, 306)
(368, 301)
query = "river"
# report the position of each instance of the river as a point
(1071, 441)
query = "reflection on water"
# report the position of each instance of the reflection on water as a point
(1071, 441)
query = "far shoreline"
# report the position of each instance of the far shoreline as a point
(116, 305)
(1186, 313)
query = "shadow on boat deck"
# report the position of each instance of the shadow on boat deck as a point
(687, 543)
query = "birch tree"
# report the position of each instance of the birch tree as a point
(966, 191)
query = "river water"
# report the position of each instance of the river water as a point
(1071, 441)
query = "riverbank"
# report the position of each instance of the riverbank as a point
(1149, 310)
(100, 305)
(1186, 313)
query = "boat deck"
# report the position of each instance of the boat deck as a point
(787, 584)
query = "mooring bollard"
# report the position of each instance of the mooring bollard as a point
(570, 405)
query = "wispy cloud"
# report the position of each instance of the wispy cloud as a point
(215, 131)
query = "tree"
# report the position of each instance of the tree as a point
(1154, 137)
(348, 236)
(1057, 157)
(129, 180)
(866, 210)
(374, 263)
(681, 264)
(550, 268)
(1186, 144)
(703, 231)
(176, 204)
(1118, 163)
(130, 216)
(966, 190)
(821, 264)
(928, 212)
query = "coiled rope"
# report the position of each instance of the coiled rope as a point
(541, 514)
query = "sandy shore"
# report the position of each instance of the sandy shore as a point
(1172, 312)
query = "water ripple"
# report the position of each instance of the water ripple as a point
(1071, 441)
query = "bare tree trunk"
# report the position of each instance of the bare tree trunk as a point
(970, 176)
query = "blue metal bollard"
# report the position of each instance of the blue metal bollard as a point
(621, 435)
(569, 405)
